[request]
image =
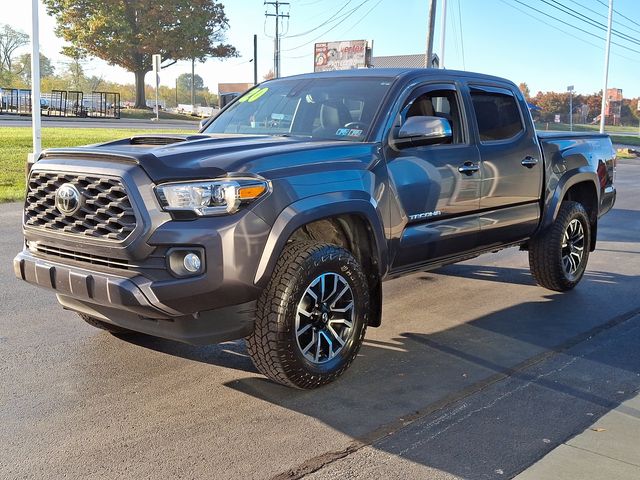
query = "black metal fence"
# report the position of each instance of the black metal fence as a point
(62, 103)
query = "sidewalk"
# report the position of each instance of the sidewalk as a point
(609, 449)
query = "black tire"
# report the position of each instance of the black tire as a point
(546, 250)
(114, 329)
(274, 345)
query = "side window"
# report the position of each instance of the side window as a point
(437, 103)
(497, 115)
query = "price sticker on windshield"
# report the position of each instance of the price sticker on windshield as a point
(253, 96)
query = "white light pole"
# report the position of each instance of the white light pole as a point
(156, 60)
(36, 120)
(570, 90)
(431, 22)
(443, 29)
(606, 69)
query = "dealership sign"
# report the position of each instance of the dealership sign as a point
(340, 55)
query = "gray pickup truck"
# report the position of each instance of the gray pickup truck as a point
(281, 218)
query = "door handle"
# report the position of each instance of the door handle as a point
(468, 168)
(529, 162)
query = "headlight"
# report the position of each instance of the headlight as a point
(211, 197)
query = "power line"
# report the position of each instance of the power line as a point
(564, 31)
(366, 14)
(574, 27)
(329, 20)
(351, 27)
(588, 20)
(345, 17)
(576, 2)
(616, 11)
(464, 67)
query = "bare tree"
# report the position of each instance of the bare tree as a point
(10, 41)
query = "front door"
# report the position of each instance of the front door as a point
(437, 187)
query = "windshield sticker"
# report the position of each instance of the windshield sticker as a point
(342, 132)
(354, 132)
(253, 96)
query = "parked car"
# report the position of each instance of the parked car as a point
(279, 221)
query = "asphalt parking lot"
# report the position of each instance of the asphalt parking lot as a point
(475, 373)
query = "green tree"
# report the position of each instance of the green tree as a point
(23, 67)
(10, 41)
(552, 103)
(524, 88)
(128, 32)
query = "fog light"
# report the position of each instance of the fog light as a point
(192, 262)
(186, 261)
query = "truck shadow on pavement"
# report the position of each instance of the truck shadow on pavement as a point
(551, 374)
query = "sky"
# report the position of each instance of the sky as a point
(499, 37)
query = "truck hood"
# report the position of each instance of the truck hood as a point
(198, 156)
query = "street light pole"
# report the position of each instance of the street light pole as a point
(35, 81)
(431, 25)
(570, 90)
(603, 107)
(443, 29)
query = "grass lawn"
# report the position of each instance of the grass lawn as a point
(625, 140)
(610, 129)
(148, 114)
(15, 144)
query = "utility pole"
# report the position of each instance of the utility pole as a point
(603, 107)
(276, 40)
(176, 92)
(443, 29)
(431, 26)
(255, 59)
(570, 90)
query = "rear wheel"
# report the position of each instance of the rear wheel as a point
(94, 322)
(311, 318)
(558, 256)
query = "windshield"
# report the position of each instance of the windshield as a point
(323, 108)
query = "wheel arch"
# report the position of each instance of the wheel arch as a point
(346, 219)
(581, 187)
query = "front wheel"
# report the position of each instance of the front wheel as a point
(311, 318)
(558, 256)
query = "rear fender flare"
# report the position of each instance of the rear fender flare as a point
(568, 180)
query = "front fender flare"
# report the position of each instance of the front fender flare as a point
(315, 208)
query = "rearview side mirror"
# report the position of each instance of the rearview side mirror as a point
(419, 130)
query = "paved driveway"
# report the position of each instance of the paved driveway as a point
(475, 373)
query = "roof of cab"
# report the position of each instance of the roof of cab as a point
(397, 73)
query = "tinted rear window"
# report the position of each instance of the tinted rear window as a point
(497, 115)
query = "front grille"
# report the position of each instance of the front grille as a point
(78, 256)
(106, 211)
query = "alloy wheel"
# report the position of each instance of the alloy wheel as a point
(573, 247)
(324, 318)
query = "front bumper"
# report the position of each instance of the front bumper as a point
(128, 303)
(127, 283)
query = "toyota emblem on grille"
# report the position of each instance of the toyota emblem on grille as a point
(68, 199)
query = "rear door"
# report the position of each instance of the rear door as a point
(511, 167)
(437, 186)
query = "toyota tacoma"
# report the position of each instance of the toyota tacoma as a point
(279, 220)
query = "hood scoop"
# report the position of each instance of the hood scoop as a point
(160, 140)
